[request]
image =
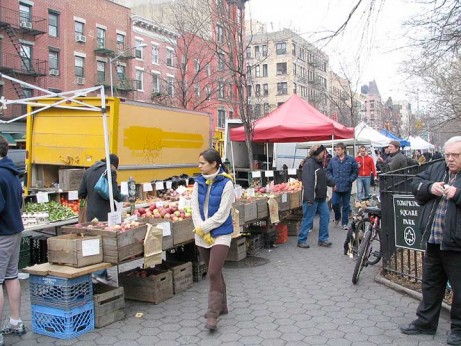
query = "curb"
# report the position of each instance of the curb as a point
(416, 295)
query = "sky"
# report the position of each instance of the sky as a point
(369, 49)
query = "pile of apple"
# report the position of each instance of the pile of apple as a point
(103, 225)
(164, 210)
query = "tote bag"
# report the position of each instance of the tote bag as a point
(102, 186)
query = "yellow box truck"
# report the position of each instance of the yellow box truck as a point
(153, 142)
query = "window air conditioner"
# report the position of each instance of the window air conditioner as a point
(54, 72)
(27, 25)
(80, 38)
(80, 80)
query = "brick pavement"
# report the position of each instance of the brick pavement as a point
(301, 297)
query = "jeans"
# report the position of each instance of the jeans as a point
(363, 187)
(438, 267)
(341, 200)
(309, 212)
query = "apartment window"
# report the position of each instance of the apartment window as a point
(196, 65)
(248, 52)
(197, 89)
(221, 90)
(221, 118)
(79, 66)
(281, 48)
(258, 109)
(294, 49)
(257, 71)
(139, 80)
(100, 38)
(264, 50)
(26, 57)
(220, 62)
(156, 83)
(372, 104)
(295, 72)
(169, 57)
(53, 60)
(231, 115)
(170, 86)
(53, 24)
(25, 13)
(79, 28)
(208, 92)
(155, 54)
(208, 70)
(265, 89)
(258, 90)
(249, 90)
(219, 33)
(101, 72)
(295, 88)
(265, 71)
(121, 44)
(121, 73)
(257, 53)
(282, 88)
(266, 108)
(231, 92)
(138, 50)
(281, 68)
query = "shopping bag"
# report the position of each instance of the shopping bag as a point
(102, 186)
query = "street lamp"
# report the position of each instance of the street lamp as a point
(111, 60)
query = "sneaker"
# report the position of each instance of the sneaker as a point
(345, 227)
(9, 328)
(303, 245)
(336, 223)
(325, 243)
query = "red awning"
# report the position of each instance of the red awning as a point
(294, 121)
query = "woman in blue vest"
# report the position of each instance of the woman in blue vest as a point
(212, 200)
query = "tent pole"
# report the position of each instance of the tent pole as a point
(106, 147)
(267, 155)
(233, 162)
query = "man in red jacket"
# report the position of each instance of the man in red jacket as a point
(366, 168)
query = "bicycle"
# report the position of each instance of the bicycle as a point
(369, 250)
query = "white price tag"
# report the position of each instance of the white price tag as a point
(284, 198)
(159, 204)
(181, 203)
(166, 226)
(268, 174)
(114, 218)
(250, 192)
(90, 247)
(146, 187)
(42, 197)
(291, 171)
(169, 184)
(181, 189)
(72, 195)
(124, 188)
(159, 185)
(256, 174)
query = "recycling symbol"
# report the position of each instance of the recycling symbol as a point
(409, 236)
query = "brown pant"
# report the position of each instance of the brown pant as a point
(214, 258)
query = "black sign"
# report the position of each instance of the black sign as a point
(406, 211)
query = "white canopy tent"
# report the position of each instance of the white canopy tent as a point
(417, 143)
(364, 132)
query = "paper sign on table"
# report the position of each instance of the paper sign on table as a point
(124, 188)
(181, 189)
(269, 174)
(146, 187)
(72, 195)
(169, 184)
(256, 174)
(114, 218)
(42, 197)
(159, 185)
(90, 247)
(292, 171)
(166, 226)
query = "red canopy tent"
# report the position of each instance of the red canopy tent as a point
(294, 121)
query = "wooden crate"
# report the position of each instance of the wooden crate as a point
(70, 179)
(238, 250)
(117, 246)
(283, 201)
(295, 199)
(182, 274)
(251, 211)
(154, 288)
(75, 250)
(167, 241)
(181, 232)
(240, 206)
(262, 208)
(109, 304)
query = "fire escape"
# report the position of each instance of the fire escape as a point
(16, 60)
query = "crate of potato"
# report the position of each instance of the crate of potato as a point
(119, 243)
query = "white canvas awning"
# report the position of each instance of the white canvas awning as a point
(417, 143)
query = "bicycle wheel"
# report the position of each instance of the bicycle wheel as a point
(360, 229)
(362, 259)
(375, 251)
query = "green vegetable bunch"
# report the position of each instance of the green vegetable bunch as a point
(55, 210)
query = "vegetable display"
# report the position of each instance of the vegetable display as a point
(56, 211)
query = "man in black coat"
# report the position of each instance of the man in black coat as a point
(438, 190)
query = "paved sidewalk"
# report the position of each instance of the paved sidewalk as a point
(301, 297)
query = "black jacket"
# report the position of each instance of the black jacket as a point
(315, 181)
(421, 186)
(97, 207)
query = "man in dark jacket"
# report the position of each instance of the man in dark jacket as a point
(10, 240)
(343, 170)
(98, 207)
(314, 198)
(396, 159)
(438, 190)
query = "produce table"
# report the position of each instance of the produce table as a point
(54, 225)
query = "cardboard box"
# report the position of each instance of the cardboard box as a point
(117, 246)
(70, 179)
(75, 250)
(109, 304)
(147, 285)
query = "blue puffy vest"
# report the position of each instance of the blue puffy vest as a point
(213, 203)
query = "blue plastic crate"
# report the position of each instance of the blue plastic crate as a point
(60, 293)
(62, 324)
